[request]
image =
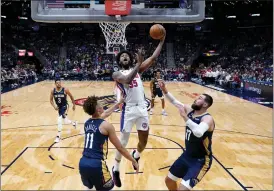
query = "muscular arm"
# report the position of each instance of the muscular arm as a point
(71, 97)
(199, 130)
(109, 111)
(115, 141)
(126, 79)
(149, 61)
(175, 102)
(51, 99)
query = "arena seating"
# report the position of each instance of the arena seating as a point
(78, 53)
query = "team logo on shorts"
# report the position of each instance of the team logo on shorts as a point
(108, 101)
(144, 125)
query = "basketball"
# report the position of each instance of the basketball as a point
(157, 31)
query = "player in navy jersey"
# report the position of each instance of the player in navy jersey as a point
(194, 163)
(156, 91)
(59, 94)
(92, 165)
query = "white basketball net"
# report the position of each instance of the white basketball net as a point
(115, 33)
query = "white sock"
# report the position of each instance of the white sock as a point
(60, 120)
(163, 110)
(59, 134)
(67, 121)
(136, 154)
(116, 166)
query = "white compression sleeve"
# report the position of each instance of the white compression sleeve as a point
(172, 99)
(198, 130)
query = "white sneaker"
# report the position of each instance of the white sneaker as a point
(74, 124)
(164, 113)
(151, 113)
(57, 140)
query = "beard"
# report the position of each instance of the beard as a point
(196, 107)
(125, 66)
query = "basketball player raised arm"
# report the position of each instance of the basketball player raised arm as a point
(108, 129)
(149, 61)
(197, 129)
(127, 79)
(171, 98)
(109, 111)
(71, 97)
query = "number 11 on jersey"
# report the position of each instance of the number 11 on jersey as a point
(89, 139)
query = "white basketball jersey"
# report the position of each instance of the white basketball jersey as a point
(134, 92)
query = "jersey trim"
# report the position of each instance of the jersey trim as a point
(122, 89)
(205, 168)
(122, 117)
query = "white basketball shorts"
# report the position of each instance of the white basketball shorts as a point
(134, 115)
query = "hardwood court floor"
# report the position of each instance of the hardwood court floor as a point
(242, 141)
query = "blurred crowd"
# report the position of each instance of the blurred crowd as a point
(78, 52)
(18, 76)
(246, 56)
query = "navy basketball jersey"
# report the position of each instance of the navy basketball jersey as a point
(96, 144)
(156, 86)
(198, 147)
(60, 97)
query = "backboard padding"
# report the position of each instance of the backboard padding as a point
(96, 14)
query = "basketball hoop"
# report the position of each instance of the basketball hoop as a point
(115, 33)
(115, 53)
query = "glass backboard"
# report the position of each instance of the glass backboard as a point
(141, 11)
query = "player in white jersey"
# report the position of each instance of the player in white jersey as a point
(134, 111)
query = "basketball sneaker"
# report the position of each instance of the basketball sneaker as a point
(74, 124)
(116, 178)
(137, 159)
(57, 140)
(164, 113)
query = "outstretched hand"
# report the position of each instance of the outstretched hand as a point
(182, 110)
(139, 57)
(136, 165)
(164, 37)
(162, 85)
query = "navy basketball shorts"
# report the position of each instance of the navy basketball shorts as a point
(94, 172)
(63, 111)
(190, 170)
(158, 93)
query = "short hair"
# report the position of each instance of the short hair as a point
(90, 105)
(208, 99)
(57, 79)
(119, 55)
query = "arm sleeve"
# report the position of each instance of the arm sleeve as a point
(198, 130)
(172, 99)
